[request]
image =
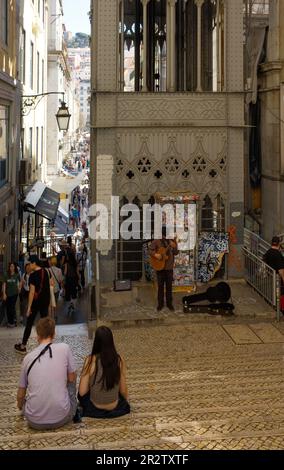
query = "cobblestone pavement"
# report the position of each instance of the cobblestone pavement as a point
(191, 387)
(248, 304)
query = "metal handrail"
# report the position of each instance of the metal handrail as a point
(263, 279)
(255, 244)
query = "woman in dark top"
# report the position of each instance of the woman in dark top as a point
(11, 292)
(102, 389)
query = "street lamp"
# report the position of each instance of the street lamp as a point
(63, 116)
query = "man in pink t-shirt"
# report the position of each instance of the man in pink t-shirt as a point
(47, 386)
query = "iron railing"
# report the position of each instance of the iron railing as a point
(255, 244)
(263, 279)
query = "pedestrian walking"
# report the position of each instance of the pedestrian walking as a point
(24, 291)
(38, 301)
(82, 256)
(11, 288)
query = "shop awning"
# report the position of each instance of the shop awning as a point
(43, 201)
(61, 222)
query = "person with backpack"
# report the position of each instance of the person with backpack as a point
(47, 386)
(56, 278)
(38, 301)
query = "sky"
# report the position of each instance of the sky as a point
(76, 17)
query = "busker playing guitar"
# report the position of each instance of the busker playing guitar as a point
(162, 254)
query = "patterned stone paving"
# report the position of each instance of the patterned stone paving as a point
(191, 387)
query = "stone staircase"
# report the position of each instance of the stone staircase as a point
(191, 387)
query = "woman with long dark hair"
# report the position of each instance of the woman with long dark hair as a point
(102, 389)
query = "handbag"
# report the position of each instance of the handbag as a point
(52, 297)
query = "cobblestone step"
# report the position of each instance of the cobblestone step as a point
(190, 388)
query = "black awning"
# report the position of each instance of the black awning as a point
(43, 201)
(48, 204)
(61, 222)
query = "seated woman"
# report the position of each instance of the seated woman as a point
(102, 389)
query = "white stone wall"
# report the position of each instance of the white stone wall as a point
(36, 32)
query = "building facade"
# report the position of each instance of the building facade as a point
(60, 78)
(33, 76)
(9, 132)
(168, 105)
(271, 124)
(80, 63)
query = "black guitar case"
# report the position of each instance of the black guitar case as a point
(217, 297)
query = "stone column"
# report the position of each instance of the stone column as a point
(199, 4)
(121, 79)
(145, 27)
(168, 45)
(218, 42)
(171, 40)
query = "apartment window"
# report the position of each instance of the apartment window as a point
(42, 75)
(4, 21)
(31, 143)
(32, 66)
(22, 58)
(38, 72)
(37, 147)
(4, 143)
(42, 147)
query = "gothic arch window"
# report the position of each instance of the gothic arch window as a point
(198, 36)
(157, 46)
(213, 214)
(212, 38)
(219, 215)
(207, 215)
(130, 43)
(186, 45)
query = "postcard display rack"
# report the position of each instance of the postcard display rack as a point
(185, 268)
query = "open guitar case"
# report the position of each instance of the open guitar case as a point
(217, 299)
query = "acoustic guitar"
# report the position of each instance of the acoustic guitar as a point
(159, 265)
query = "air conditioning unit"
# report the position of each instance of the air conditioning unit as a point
(25, 174)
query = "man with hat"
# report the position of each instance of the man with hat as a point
(38, 301)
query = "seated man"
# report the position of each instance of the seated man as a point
(47, 387)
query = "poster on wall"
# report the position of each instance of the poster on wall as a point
(183, 221)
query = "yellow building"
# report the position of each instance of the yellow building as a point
(9, 131)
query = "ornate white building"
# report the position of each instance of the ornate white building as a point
(168, 105)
